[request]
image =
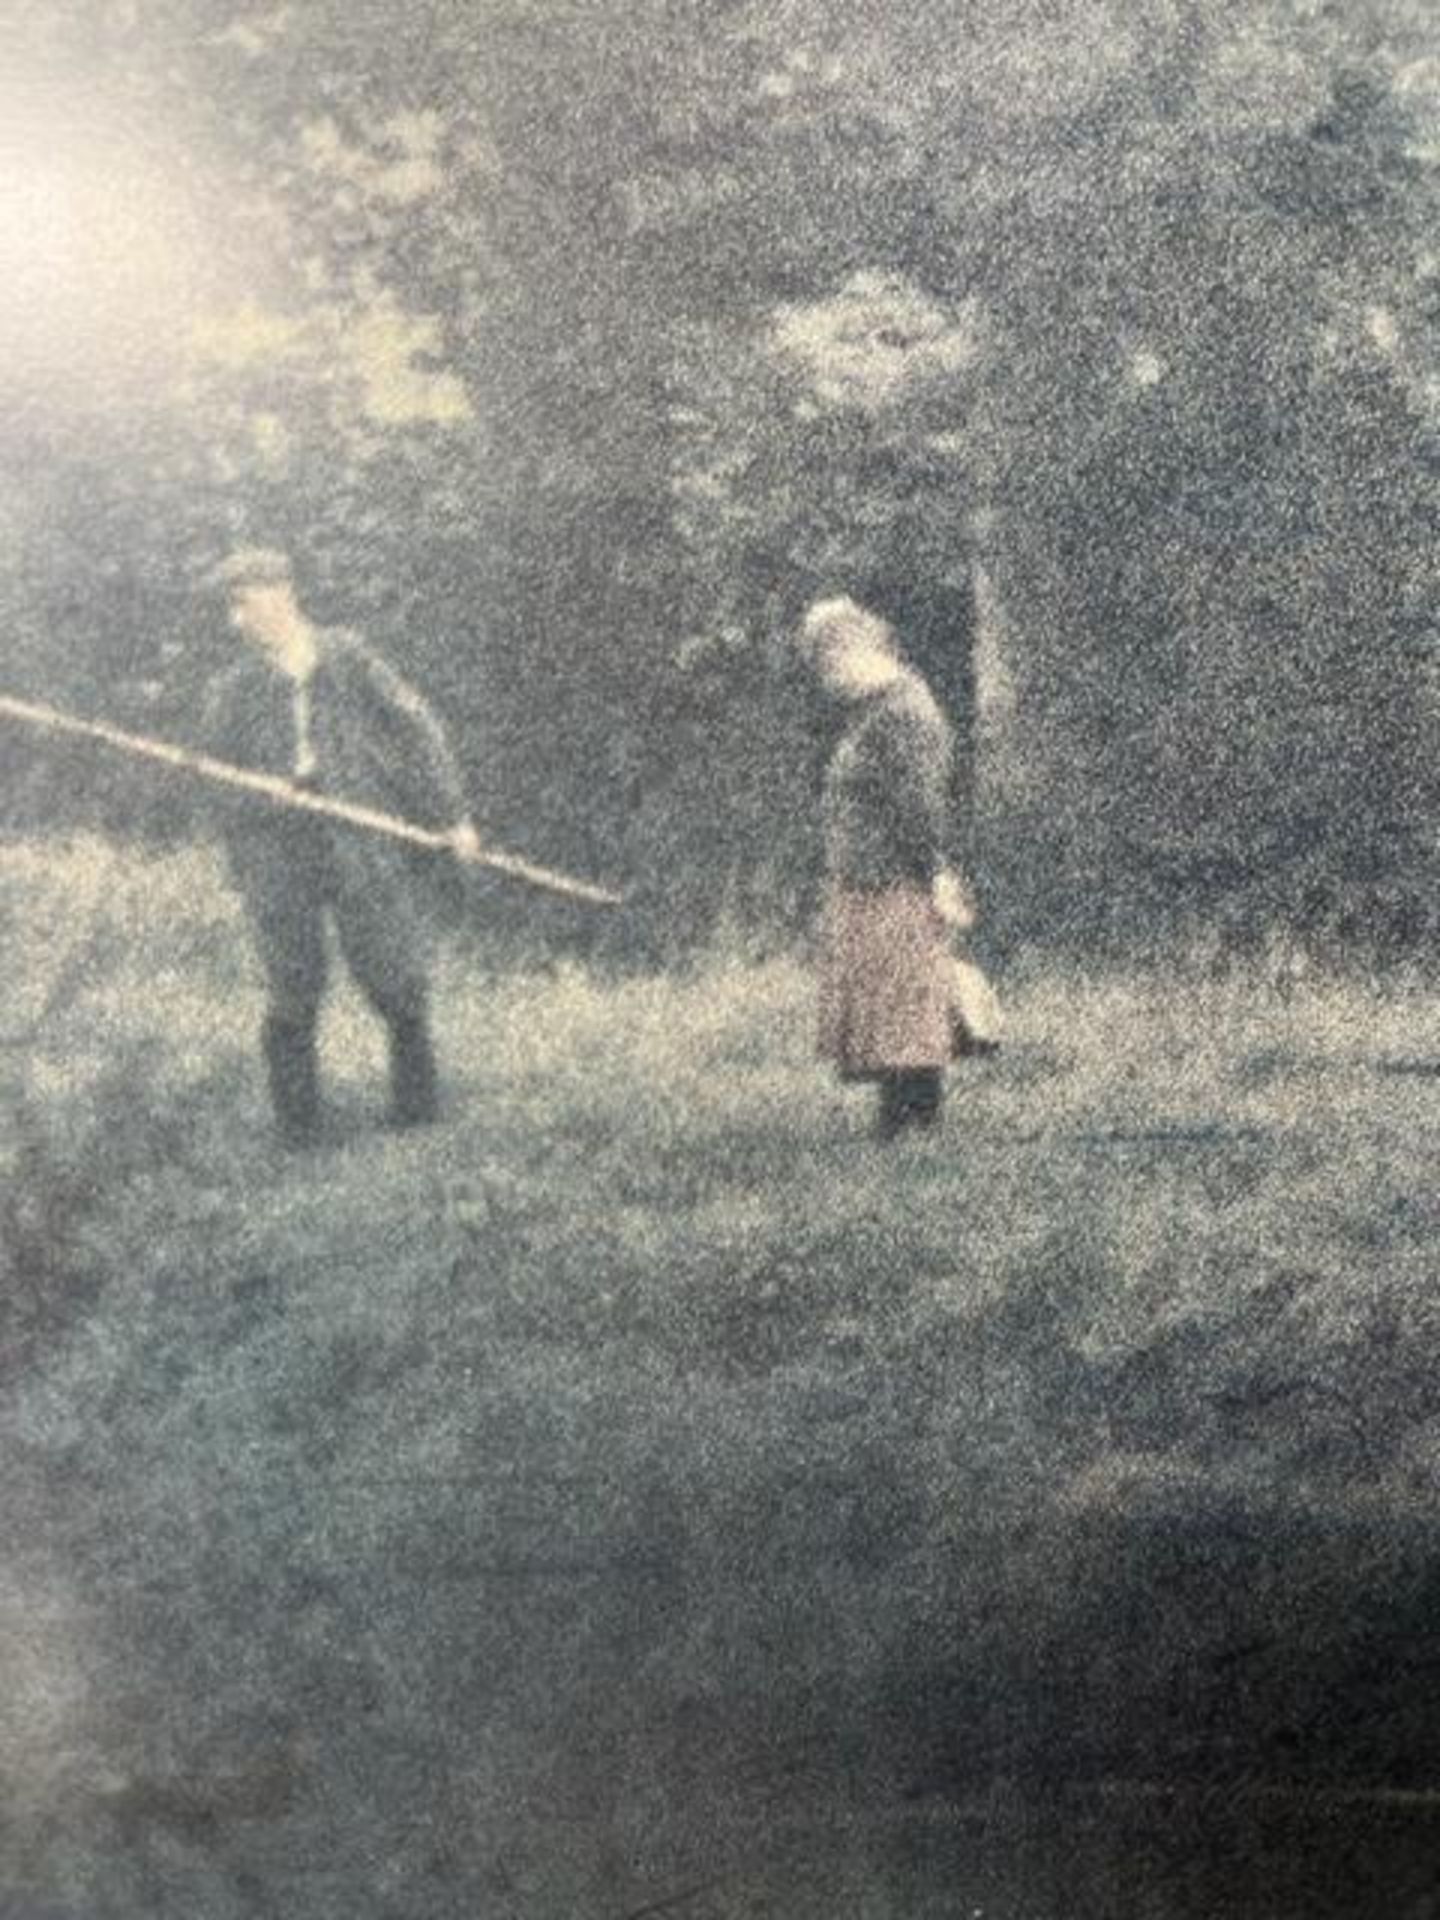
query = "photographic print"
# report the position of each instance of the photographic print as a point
(720, 1050)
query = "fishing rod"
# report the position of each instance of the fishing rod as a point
(284, 793)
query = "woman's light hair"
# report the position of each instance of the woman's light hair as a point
(827, 623)
(254, 567)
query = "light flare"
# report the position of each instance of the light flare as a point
(101, 258)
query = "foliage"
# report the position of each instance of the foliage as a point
(570, 348)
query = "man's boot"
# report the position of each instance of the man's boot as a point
(293, 1071)
(414, 1093)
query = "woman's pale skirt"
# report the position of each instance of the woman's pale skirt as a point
(885, 982)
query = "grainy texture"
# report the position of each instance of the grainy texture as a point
(640, 1493)
(644, 1486)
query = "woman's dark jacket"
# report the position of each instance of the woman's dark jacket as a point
(886, 802)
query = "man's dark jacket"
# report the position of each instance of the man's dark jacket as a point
(375, 743)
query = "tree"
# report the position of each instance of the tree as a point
(572, 348)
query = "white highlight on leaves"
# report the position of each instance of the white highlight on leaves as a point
(255, 36)
(385, 342)
(874, 340)
(405, 170)
(382, 346)
(776, 86)
(245, 336)
(1380, 325)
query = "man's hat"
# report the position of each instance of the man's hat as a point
(254, 567)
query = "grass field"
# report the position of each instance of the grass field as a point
(644, 1493)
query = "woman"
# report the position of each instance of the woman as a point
(885, 978)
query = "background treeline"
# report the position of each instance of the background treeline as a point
(571, 346)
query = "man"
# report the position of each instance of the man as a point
(316, 706)
(886, 1003)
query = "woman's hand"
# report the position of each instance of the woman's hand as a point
(952, 902)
